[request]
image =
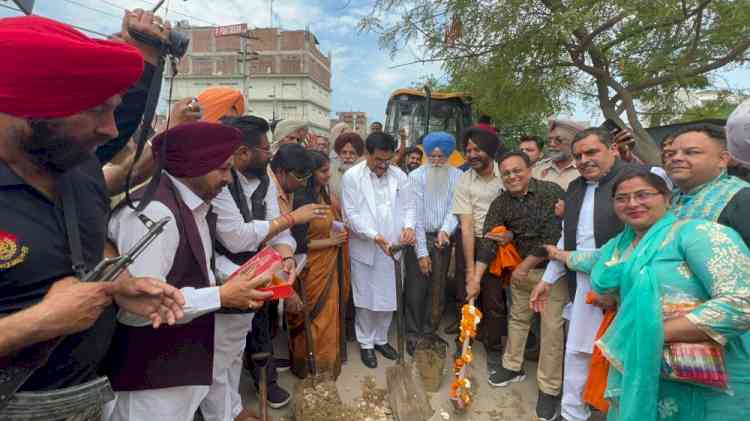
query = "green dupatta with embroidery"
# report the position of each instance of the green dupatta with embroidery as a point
(633, 343)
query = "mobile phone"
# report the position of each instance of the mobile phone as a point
(610, 126)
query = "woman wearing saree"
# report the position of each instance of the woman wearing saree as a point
(324, 241)
(678, 281)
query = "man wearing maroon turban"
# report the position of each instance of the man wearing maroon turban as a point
(167, 374)
(58, 90)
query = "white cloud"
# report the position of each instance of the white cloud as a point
(361, 77)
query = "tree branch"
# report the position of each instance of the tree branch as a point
(586, 41)
(732, 55)
(626, 35)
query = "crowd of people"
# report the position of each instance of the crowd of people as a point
(628, 284)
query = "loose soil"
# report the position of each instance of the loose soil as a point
(429, 358)
(321, 402)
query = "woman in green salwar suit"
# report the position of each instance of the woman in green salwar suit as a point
(676, 281)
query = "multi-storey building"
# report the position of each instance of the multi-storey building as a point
(355, 119)
(282, 73)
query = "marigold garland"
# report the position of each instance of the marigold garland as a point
(460, 388)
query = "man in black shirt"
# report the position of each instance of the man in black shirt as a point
(46, 159)
(526, 208)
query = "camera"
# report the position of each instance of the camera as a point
(176, 45)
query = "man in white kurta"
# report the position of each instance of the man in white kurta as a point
(125, 229)
(379, 209)
(593, 225)
(194, 173)
(232, 329)
(238, 236)
(584, 319)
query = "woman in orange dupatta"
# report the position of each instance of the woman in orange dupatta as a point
(326, 240)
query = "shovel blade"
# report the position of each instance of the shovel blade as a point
(406, 394)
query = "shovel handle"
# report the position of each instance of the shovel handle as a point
(261, 359)
(397, 248)
(458, 403)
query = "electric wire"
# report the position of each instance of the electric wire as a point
(80, 28)
(93, 9)
(178, 12)
(4, 6)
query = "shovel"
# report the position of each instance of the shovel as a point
(261, 360)
(406, 393)
(312, 366)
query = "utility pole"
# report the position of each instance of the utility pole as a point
(270, 24)
(247, 56)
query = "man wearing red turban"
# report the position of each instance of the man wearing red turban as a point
(167, 374)
(58, 91)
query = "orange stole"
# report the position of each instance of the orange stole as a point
(506, 260)
(593, 393)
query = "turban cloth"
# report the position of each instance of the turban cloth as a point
(283, 129)
(338, 129)
(54, 71)
(195, 149)
(487, 127)
(738, 133)
(569, 127)
(442, 140)
(216, 102)
(486, 141)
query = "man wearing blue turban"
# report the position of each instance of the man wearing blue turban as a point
(427, 264)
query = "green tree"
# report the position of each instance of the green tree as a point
(719, 108)
(529, 58)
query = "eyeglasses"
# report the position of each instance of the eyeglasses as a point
(640, 196)
(508, 174)
(381, 161)
(300, 177)
(557, 140)
(266, 151)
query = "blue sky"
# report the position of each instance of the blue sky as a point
(362, 74)
(361, 77)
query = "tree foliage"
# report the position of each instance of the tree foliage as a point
(720, 108)
(529, 58)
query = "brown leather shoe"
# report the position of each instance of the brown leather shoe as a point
(249, 414)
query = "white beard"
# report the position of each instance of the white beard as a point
(437, 181)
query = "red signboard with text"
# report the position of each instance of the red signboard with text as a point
(222, 31)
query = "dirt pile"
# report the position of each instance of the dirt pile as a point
(321, 402)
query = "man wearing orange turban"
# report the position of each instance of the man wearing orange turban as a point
(220, 101)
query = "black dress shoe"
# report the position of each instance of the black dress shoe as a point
(387, 351)
(411, 347)
(368, 358)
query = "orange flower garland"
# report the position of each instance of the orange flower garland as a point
(470, 318)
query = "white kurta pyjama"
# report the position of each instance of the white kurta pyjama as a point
(585, 319)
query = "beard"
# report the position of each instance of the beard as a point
(557, 156)
(255, 168)
(53, 150)
(437, 181)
